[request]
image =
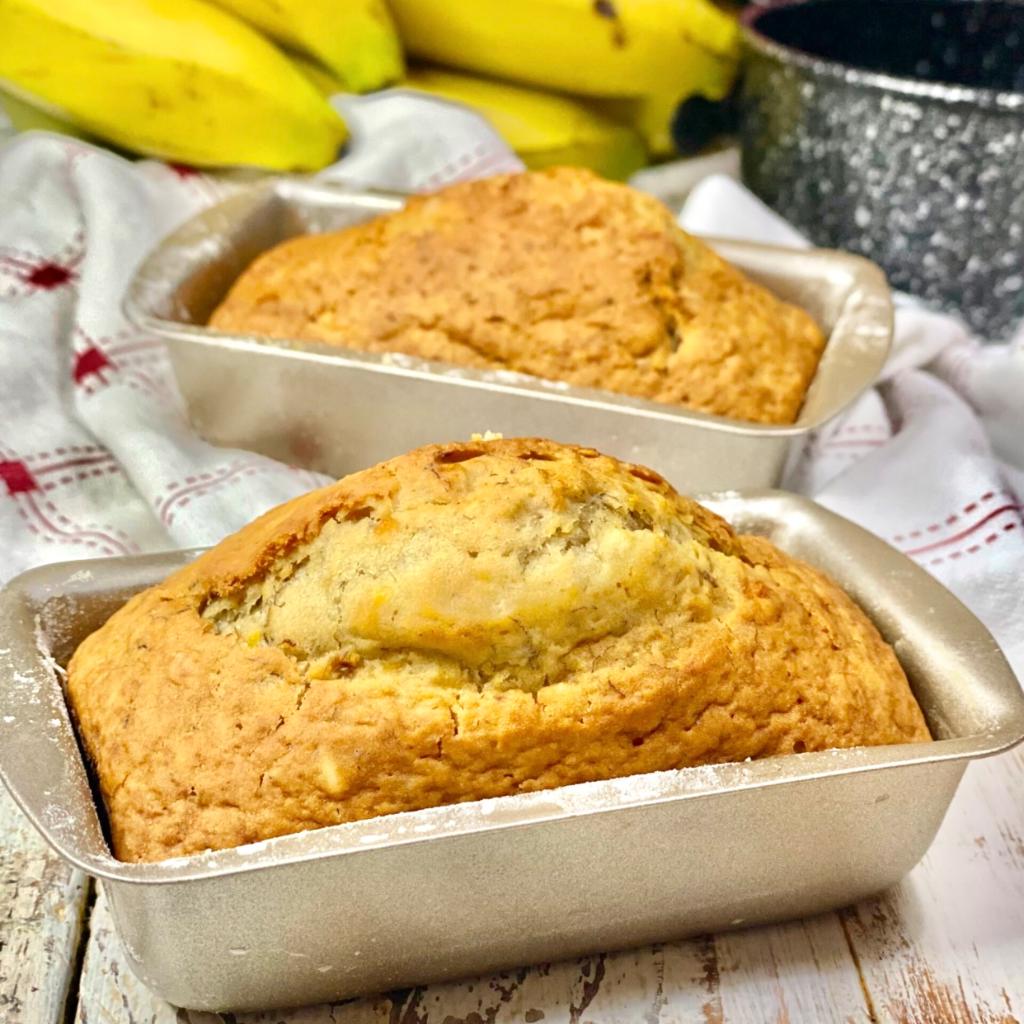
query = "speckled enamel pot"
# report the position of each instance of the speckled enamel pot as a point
(895, 128)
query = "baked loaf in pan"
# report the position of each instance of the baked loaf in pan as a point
(464, 621)
(555, 273)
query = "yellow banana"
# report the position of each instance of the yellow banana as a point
(326, 82)
(26, 117)
(356, 39)
(544, 129)
(177, 79)
(650, 116)
(591, 47)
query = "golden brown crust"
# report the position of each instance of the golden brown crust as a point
(553, 273)
(468, 620)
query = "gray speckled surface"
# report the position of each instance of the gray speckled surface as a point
(925, 179)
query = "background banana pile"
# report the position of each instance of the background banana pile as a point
(245, 82)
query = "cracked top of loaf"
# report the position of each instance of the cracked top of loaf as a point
(553, 273)
(464, 621)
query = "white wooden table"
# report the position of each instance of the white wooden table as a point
(946, 946)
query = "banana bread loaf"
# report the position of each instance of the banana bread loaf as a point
(553, 273)
(464, 621)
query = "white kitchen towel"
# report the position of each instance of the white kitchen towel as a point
(97, 458)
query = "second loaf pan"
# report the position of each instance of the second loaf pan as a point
(338, 410)
(456, 891)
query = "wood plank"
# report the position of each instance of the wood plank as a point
(947, 945)
(41, 905)
(795, 972)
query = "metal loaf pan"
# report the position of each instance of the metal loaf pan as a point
(337, 410)
(455, 891)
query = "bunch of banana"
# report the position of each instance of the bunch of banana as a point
(200, 81)
(193, 81)
(649, 55)
(543, 128)
(354, 39)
